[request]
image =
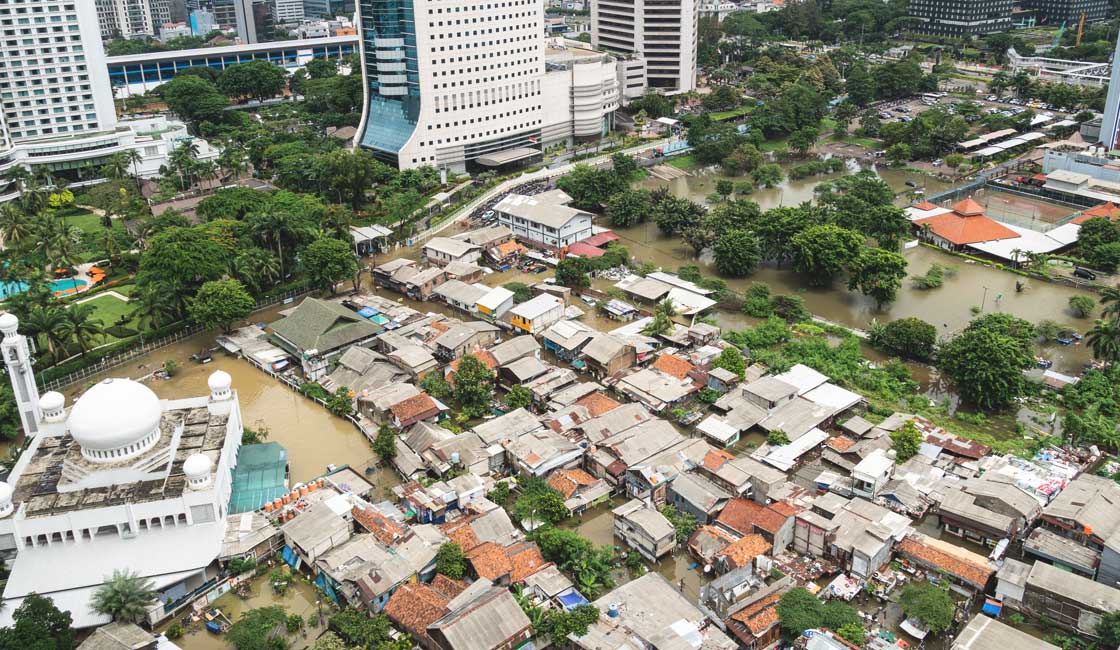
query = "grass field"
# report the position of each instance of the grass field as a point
(720, 116)
(88, 222)
(108, 309)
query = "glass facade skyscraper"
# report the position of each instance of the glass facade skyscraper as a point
(392, 78)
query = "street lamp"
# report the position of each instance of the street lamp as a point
(984, 300)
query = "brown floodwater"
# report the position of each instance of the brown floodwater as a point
(300, 598)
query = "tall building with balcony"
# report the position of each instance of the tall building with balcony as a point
(56, 104)
(662, 32)
(456, 84)
(961, 18)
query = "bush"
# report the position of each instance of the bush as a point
(758, 301)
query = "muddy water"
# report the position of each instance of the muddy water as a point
(679, 568)
(300, 598)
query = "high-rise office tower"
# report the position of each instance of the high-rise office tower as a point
(131, 18)
(453, 83)
(1110, 123)
(663, 32)
(288, 11)
(961, 18)
(1056, 12)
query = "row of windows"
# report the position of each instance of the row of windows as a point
(485, 18)
(484, 118)
(480, 32)
(483, 80)
(42, 40)
(452, 105)
(496, 5)
(37, 7)
(475, 136)
(443, 48)
(502, 53)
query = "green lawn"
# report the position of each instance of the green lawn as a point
(870, 143)
(87, 221)
(720, 116)
(125, 289)
(686, 162)
(776, 144)
(108, 309)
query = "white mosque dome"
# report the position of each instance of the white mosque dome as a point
(219, 381)
(51, 401)
(197, 466)
(8, 321)
(115, 419)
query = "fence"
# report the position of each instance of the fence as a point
(145, 347)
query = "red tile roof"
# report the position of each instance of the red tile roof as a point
(447, 586)
(415, 407)
(601, 240)
(384, 529)
(490, 561)
(671, 364)
(583, 250)
(1106, 210)
(960, 229)
(715, 458)
(759, 616)
(505, 249)
(567, 481)
(461, 533)
(742, 552)
(975, 574)
(924, 206)
(745, 516)
(597, 404)
(840, 443)
(526, 559)
(415, 606)
(968, 207)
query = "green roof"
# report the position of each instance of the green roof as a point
(324, 326)
(260, 476)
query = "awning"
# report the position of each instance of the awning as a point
(499, 158)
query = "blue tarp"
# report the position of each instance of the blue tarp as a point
(367, 312)
(289, 556)
(324, 584)
(992, 607)
(572, 600)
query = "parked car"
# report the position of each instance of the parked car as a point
(1084, 274)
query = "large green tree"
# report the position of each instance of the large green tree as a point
(931, 605)
(328, 261)
(986, 366)
(737, 253)
(194, 99)
(181, 259)
(219, 303)
(877, 273)
(450, 561)
(262, 628)
(37, 624)
(822, 252)
(257, 79)
(474, 386)
(629, 208)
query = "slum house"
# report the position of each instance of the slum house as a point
(383, 273)
(509, 426)
(698, 496)
(566, 338)
(505, 565)
(549, 587)
(652, 612)
(967, 572)
(466, 452)
(316, 331)
(644, 529)
(362, 371)
(960, 515)
(1087, 511)
(1068, 600)
(318, 529)
(754, 620)
(550, 383)
(517, 347)
(480, 617)
(414, 359)
(461, 339)
(460, 295)
(377, 406)
(487, 237)
(871, 475)
(1044, 545)
(119, 635)
(579, 489)
(540, 452)
(418, 283)
(741, 554)
(441, 251)
(585, 395)
(409, 411)
(1011, 582)
(742, 476)
(536, 315)
(494, 304)
(656, 389)
(707, 541)
(774, 522)
(845, 452)
(564, 419)
(650, 479)
(363, 572)
(484, 356)
(614, 421)
(984, 633)
(613, 456)
(521, 372)
(467, 272)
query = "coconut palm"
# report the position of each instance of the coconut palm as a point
(15, 225)
(256, 268)
(134, 159)
(1104, 340)
(80, 327)
(1110, 302)
(48, 324)
(156, 306)
(116, 166)
(666, 307)
(125, 596)
(275, 227)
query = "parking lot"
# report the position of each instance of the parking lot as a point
(904, 110)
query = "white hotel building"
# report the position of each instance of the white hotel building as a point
(124, 481)
(662, 32)
(464, 84)
(56, 104)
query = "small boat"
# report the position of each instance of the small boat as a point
(1043, 363)
(1067, 337)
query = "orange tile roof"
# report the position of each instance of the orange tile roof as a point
(744, 516)
(484, 356)
(413, 407)
(567, 481)
(510, 247)
(924, 205)
(526, 559)
(415, 606)
(959, 229)
(461, 533)
(840, 443)
(1107, 210)
(715, 458)
(742, 552)
(968, 207)
(384, 529)
(784, 509)
(973, 573)
(447, 586)
(490, 561)
(597, 404)
(759, 616)
(671, 364)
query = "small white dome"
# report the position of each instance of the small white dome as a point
(197, 466)
(5, 499)
(219, 381)
(115, 414)
(8, 322)
(51, 401)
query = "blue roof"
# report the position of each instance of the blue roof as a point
(572, 599)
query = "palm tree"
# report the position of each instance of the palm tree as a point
(275, 227)
(256, 267)
(116, 166)
(134, 159)
(80, 326)
(666, 307)
(1104, 339)
(14, 223)
(1110, 301)
(125, 596)
(156, 306)
(49, 323)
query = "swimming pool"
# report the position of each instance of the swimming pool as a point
(59, 287)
